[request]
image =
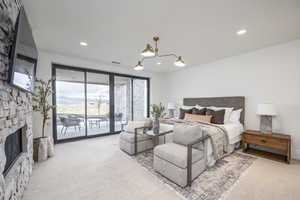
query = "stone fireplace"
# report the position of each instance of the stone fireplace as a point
(13, 149)
(15, 116)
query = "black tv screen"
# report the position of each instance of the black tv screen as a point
(24, 55)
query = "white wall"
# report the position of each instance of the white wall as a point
(44, 72)
(270, 75)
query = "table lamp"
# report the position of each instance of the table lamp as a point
(171, 108)
(266, 112)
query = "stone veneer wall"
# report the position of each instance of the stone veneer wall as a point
(15, 111)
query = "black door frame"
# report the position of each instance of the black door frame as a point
(111, 96)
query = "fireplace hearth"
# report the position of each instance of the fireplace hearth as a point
(13, 148)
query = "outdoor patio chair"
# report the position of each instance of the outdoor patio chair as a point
(69, 122)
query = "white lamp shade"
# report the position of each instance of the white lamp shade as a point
(179, 62)
(266, 109)
(171, 106)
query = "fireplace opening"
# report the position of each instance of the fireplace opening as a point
(13, 148)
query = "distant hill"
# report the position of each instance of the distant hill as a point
(92, 109)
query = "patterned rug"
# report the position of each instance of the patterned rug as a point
(211, 184)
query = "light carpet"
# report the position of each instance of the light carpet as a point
(95, 169)
(213, 183)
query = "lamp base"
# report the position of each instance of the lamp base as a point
(266, 124)
(171, 113)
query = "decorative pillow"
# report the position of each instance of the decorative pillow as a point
(228, 112)
(202, 118)
(217, 116)
(183, 111)
(197, 111)
(185, 134)
(235, 116)
(199, 107)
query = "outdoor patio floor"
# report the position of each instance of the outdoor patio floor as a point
(73, 132)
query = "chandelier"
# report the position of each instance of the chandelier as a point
(150, 53)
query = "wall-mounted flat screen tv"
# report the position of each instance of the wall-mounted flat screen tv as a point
(23, 55)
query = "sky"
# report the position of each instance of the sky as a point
(73, 93)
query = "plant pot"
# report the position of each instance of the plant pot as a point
(50, 147)
(43, 147)
(40, 149)
(156, 126)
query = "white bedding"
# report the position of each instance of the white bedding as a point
(234, 131)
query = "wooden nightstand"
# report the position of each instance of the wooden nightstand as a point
(275, 141)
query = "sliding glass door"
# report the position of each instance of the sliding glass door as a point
(70, 104)
(123, 101)
(140, 103)
(93, 103)
(131, 100)
(98, 114)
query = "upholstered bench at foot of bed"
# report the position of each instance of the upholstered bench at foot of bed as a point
(144, 142)
(127, 143)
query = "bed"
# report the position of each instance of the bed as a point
(233, 131)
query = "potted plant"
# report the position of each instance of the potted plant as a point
(158, 111)
(43, 146)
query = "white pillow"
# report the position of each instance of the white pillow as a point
(235, 116)
(199, 107)
(228, 112)
(186, 107)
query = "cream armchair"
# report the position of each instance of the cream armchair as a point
(184, 159)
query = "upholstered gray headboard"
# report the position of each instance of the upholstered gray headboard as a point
(235, 102)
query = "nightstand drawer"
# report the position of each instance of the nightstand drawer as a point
(274, 143)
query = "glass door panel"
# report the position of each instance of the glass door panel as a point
(70, 104)
(140, 99)
(98, 101)
(123, 101)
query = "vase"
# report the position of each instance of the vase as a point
(156, 126)
(43, 147)
(50, 147)
(40, 149)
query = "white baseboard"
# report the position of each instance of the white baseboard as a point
(296, 154)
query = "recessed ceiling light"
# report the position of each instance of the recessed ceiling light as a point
(115, 62)
(158, 63)
(83, 44)
(241, 32)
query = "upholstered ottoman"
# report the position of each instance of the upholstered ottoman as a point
(144, 142)
(134, 140)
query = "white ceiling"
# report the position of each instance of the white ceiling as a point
(201, 31)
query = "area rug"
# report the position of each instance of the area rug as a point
(212, 184)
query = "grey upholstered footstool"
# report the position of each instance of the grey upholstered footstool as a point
(133, 140)
(127, 144)
(183, 160)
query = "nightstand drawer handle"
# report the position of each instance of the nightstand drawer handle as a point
(263, 141)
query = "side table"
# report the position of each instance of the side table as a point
(155, 137)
